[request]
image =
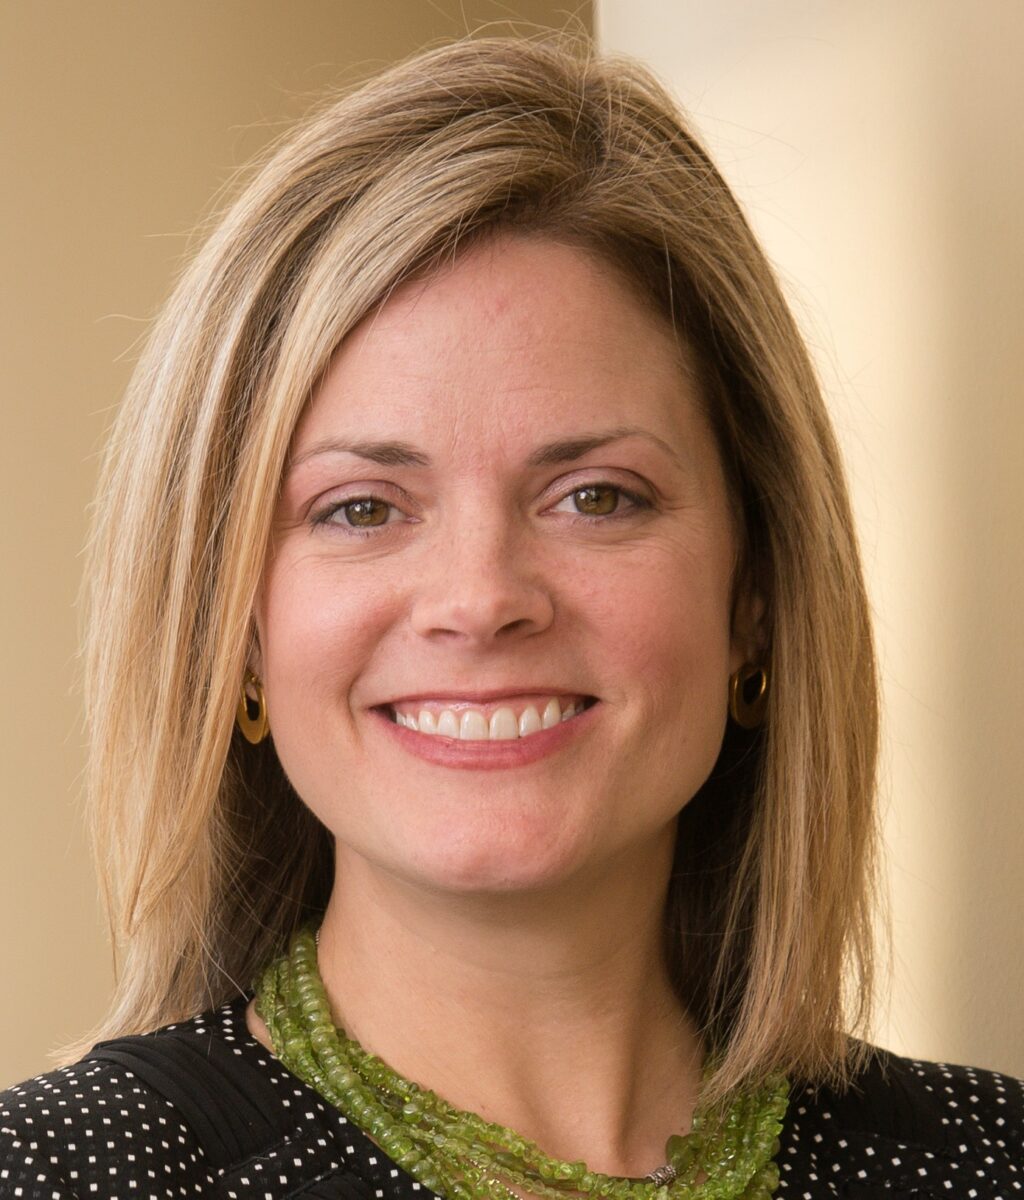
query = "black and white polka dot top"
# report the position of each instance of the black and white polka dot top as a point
(202, 1109)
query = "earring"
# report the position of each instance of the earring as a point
(254, 725)
(748, 695)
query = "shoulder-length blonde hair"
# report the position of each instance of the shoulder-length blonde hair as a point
(209, 859)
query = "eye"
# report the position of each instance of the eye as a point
(366, 511)
(605, 500)
(356, 514)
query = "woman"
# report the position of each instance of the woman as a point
(480, 664)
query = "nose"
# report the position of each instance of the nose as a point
(481, 585)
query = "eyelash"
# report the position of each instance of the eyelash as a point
(639, 504)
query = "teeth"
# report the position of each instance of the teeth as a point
(503, 725)
(448, 724)
(529, 722)
(470, 725)
(473, 727)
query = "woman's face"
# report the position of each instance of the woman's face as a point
(503, 494)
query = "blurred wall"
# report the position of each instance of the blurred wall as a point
(120, 119)
(878, 151)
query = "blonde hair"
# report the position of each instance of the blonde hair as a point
(209, 859)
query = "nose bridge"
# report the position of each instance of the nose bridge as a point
(480, 579)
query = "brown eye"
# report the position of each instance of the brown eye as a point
(596, 500)
(366, 512)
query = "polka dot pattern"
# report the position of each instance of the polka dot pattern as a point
(908, 1131)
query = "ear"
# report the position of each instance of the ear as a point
(254, 659)
(749, 639)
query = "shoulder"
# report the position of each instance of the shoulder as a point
(178, 1111)
(930, 1128)
(66, 1132)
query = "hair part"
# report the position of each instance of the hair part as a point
(208, 858)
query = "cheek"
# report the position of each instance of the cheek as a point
(317, 631)
(666, 620)
(317, 634)
(665, 631)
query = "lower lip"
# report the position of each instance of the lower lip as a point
(483, 755)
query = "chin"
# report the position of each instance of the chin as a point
(496, 866)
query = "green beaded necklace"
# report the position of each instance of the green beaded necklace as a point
(463, 1157)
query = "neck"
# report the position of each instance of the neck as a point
(549, 1013)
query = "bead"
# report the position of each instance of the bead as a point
(430, 1178)
(401, 1147)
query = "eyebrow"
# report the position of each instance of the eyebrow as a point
(401, 454)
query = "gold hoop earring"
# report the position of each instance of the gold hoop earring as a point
(748, 695)
(254, 725)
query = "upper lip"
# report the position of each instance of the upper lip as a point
(485, 697)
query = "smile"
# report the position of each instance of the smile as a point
(507, 733)
(501, 721)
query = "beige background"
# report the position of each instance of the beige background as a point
(879, 149)
(118, 123)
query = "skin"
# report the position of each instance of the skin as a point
(495, 935)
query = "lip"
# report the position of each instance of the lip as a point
(481, 755)
(484, 697)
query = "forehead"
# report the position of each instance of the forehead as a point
(517, 334)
